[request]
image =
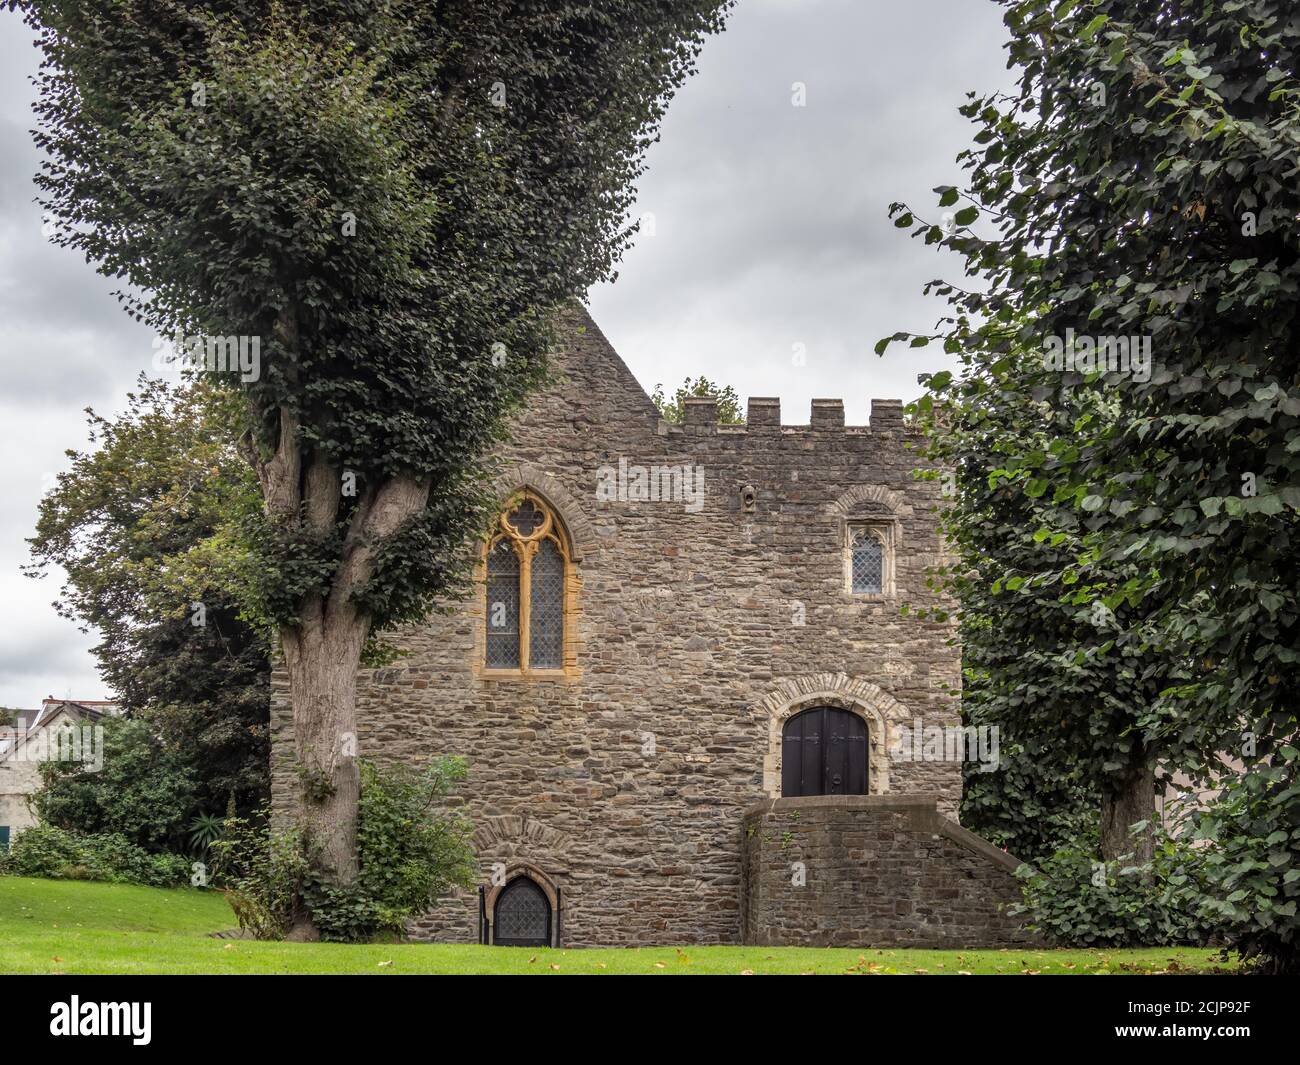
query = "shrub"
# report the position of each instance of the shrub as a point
(144, 791)
(49, 851)
(1251, 868)
(262, 873)
(1076, 900)
(409, 853)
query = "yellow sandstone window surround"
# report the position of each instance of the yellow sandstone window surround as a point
(529, 594)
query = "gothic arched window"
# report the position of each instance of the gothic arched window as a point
(528, 591)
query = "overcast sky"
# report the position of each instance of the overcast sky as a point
(769, 231)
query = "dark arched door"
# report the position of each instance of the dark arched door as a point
(522, 915)
(824, 752)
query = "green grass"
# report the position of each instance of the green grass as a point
(64, 926)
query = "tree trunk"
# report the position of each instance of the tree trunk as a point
(322, 649)
(322, 655)
(1126, 800)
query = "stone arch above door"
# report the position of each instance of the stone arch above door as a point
(882, 712)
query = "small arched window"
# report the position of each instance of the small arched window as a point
(868, 562)
(528, 584)
(869, 558)
(522, 915)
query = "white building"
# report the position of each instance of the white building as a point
(29, 741)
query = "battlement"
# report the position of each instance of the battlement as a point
(763, 415)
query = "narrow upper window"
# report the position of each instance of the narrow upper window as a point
(869, 558)
(527, 585)
(868, 562)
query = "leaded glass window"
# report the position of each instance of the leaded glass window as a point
(503, 606)
(522, 915)
(527, 586)
(868, 562)
(546, 615)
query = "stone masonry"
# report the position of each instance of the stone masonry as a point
(877, 870)
(622, 787)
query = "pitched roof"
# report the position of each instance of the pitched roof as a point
(92, 709)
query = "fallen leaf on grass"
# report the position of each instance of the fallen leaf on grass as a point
(385, 964)
(746, 972)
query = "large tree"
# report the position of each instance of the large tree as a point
(1067, 679)
(393, 200)
(147, 526)
(1139, 183)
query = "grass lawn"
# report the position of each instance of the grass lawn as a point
(63, 926)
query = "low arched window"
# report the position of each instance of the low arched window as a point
(522, 915)
(529, 591)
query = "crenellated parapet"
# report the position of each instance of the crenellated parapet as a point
(763, 416)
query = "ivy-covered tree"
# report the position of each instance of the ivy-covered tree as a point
(146, 525)
(1131, 208)
(388, 203)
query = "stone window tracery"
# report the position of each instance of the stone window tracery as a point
(529, 592)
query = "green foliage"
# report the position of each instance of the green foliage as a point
(395, 201)
(1252, 863)
(1075, 900)
(262, 872)
(205, 830)
(1069, 686)
(411, 853)
(730, 409)
(145, 527)
(47, 851)
(1031, 804)
(1139, 184)
(145, 791)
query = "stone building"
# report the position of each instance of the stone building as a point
(686, 647)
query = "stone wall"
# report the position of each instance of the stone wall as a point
(698, 631)
(873, 871)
